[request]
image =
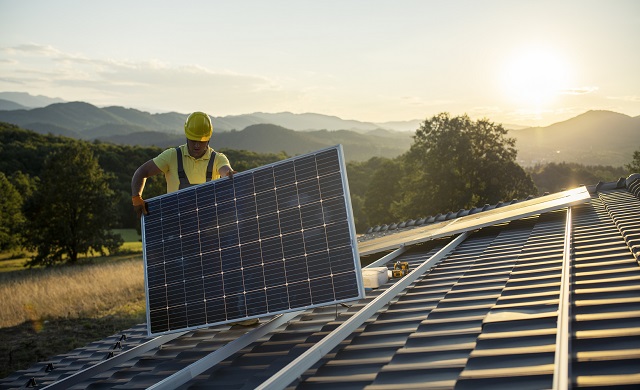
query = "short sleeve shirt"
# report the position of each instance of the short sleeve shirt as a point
(195, 169)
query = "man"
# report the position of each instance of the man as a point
(189, 164)
(186, 165)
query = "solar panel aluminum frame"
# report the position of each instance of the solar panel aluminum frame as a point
(350, 228)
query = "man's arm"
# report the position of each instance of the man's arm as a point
(140, 176)
(225, 171)
(138, 180)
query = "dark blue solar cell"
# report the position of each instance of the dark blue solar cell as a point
(293, 245)
(277, 299)
(196, 314)
(226, 214)
(248, 230)
(328, 162)
(159, 321)
(224, 191)
(331, 186)
(230, 259)
(322, 290)
(287, 197)
(333, 210)
(256, 302)
(274, 274)
(215, 310)
(305, 168)
(253, 278)
(308, 191)
(236, 306)
(315, 240)
(296, 269)
(290, 221)
(266, 202)
(271, 249)
(269, 226)
(311, 215)
(263, 180)
(178, 317)
(299, 294)
(284, 174)
(213, 287)
(273, 239)
(246, 208)
(243, 184)
(207, 217)
(344, 285)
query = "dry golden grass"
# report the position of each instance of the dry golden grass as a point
(86, 291)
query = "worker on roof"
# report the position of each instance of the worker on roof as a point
(186, 165)
(192, 163)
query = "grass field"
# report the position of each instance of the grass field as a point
(48, 311)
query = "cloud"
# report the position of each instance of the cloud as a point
(578, 91)
(631, 98)
(152, 83)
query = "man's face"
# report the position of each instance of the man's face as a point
(197, 149)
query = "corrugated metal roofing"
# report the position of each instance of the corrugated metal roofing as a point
(486, 316)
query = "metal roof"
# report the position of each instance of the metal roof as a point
(549, 300)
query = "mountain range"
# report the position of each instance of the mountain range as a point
(592, 138)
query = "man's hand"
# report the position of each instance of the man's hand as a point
(231, 173)
(139, 205)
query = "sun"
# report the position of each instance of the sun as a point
(534, 77)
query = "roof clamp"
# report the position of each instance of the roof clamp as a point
(49, 367)
(117, 345)
(123, 337)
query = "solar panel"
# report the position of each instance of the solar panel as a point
(507, 213)
(271, 240)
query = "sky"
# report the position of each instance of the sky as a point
(529, 63)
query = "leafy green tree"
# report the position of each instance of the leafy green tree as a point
(634, 165)
(11, 217)
(383, 193)
(360, 175)
(24, 183)
(457, 163)
(72, 209)
(554, 177)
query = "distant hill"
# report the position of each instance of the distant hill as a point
(29, 101)
(592, 138)
(310, 121)
(86, 120)
(6, 105)
(267, 138)
(253, 132)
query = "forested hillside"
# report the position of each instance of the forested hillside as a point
(265, 138)
(24, 152)
(592, 138)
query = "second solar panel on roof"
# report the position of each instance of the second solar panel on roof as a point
(274, 239)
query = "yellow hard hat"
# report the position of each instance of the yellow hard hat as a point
(198, 127)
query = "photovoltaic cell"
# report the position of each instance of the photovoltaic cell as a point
(270, 240)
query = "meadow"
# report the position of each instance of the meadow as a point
(48, 311)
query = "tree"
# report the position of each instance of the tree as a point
(382, 196)
(72, 209)
(457, 163)
(634, 165)
(360, 175)
(11, 217)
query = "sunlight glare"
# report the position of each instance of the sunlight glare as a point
(534, 77)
